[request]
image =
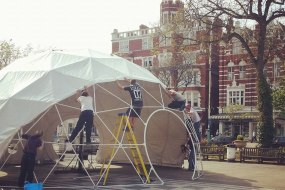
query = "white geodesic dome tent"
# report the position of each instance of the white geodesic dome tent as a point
(39, 93)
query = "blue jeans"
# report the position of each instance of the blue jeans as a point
(197, 129)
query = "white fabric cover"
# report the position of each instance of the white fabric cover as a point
(39, 92)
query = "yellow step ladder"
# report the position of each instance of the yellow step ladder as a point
(139, 164)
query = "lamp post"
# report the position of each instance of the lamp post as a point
(209, 95)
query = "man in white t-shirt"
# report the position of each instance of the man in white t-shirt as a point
(195, 118)
(86, 116)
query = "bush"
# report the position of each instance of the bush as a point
(240, 137)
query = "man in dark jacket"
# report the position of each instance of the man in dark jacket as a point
(28, 161)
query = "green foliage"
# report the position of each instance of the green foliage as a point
(10, 52)
(232, 110)
(240, 137)
(279, 97)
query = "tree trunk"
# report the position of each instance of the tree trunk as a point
(266, 110)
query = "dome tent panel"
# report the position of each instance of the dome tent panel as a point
(58, 102)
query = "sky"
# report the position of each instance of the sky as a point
(73, 24)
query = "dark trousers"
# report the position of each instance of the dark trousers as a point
(177, 105)
(191, 159)
(27, 169)
(253, 139)
(85, 118)
(197, 129)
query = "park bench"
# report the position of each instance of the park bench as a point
(250, 154)
(261, 154)
(213, 151)
(271, 154)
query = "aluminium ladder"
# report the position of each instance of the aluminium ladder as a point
(198, 168)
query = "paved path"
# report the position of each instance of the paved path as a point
(217, 176)
(267, 176)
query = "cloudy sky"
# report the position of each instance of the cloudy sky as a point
(70, 24)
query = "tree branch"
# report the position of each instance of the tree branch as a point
(244, 44)
(275, 15)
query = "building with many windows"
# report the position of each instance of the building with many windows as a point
(192, 67)
(237, 86)
(160, 52)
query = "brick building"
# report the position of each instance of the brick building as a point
(237, 85)
(154, 52)
(226, 67)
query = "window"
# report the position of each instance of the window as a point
(165, 40)
(188, 37)
(230, 70)
(124, 46)
(165, 58)
(194, 97)
(147, 43)
(189, 57)
(235, 97)
(277, 68)
(242, 69)
(147, 62)
(230, 73)
(236, 47)
(196, 79)
(165, 18)
(242, 72)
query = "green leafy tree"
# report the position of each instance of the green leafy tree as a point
(8, 53)
(279, 97)
(260, 44)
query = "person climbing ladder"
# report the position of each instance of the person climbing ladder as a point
(137, 101)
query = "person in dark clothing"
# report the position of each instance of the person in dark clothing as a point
(253, 137)
(137, 101)
(86, 116)
(191, 154)
(33, 143)
(178, 100)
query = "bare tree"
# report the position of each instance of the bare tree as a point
(177, 52)
(258, 43)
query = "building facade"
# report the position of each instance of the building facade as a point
(160, 51)
(237, 86)
(221, 80)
